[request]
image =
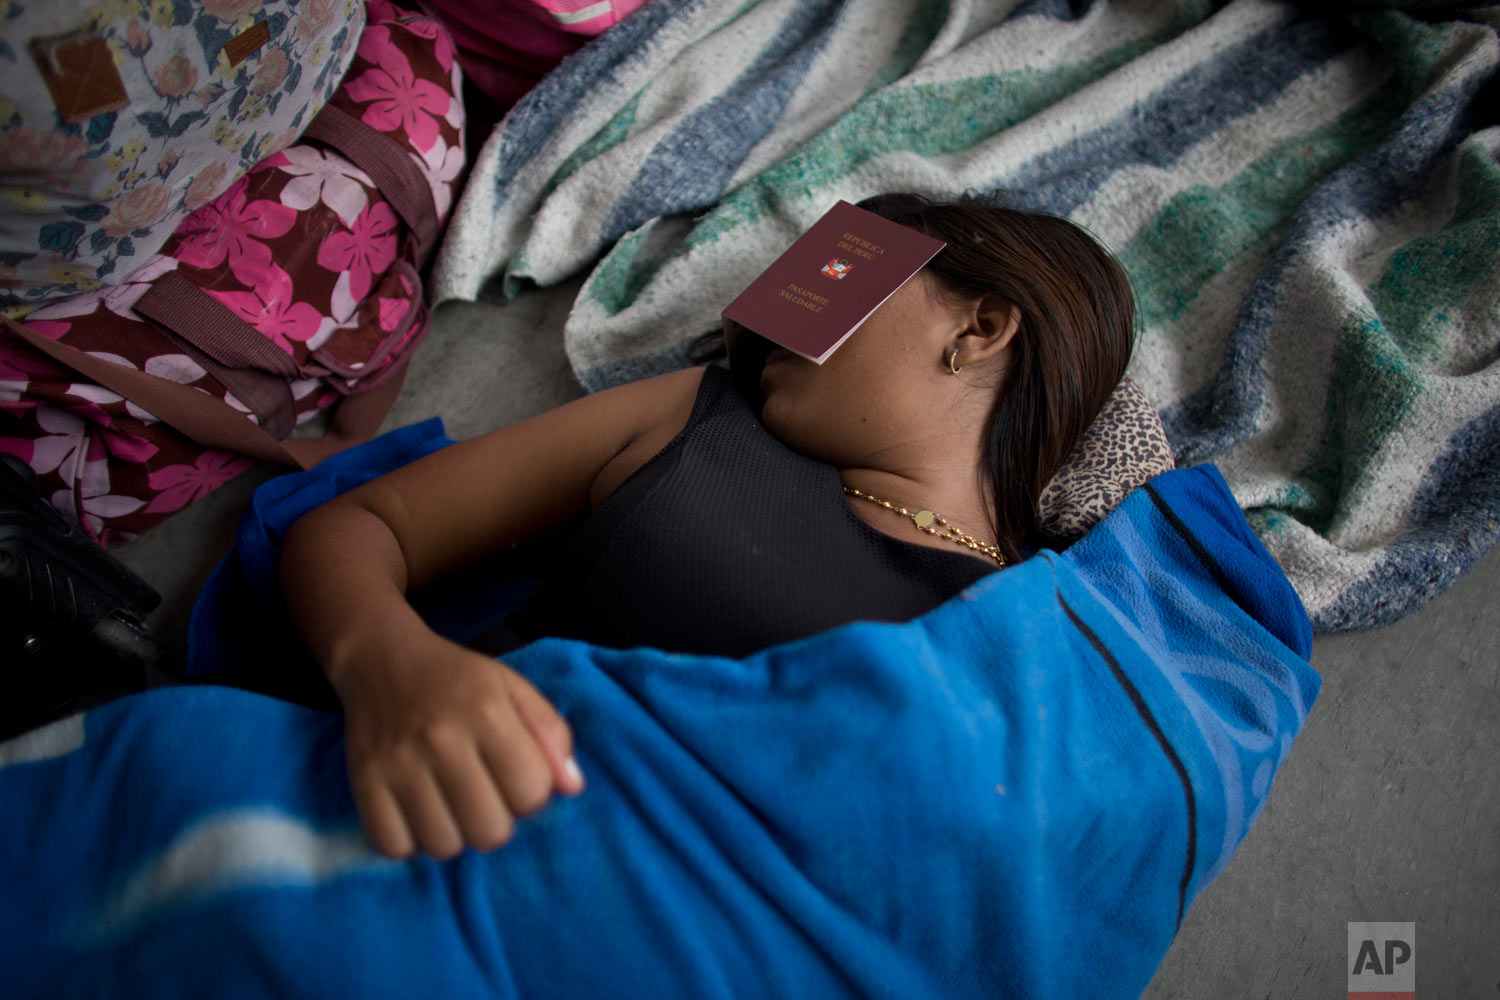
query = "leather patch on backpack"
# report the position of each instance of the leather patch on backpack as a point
(242, 46)
(80, 72)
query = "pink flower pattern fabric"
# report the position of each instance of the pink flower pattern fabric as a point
(395, 98)
(441, 165)
(231, 228)
(180, 485)
(366, 248)
(303, 248)
(443, 48)
(321, 177)
(270, 308)
(17, 367)
(506, 46)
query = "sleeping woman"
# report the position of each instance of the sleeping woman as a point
(711, 511)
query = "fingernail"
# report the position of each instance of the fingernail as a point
(575, 775)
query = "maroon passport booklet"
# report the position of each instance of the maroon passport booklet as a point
(830, 280)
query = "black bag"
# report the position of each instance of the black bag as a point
(72, 634)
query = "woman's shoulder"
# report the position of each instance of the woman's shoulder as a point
(651, 406)
(661, 407)
(674, 385)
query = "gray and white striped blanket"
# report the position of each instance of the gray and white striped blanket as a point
(1308, 204)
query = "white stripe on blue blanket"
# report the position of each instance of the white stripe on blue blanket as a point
(691, 167)
(703, 71)
(237, 849)
(1028, 42)
(1133, 196)
(1178, 117)
(1258, 694)
(549, 106)
(1222, 413)
(1455, 527)
(47, 743)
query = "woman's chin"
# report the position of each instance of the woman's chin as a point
(776, 414)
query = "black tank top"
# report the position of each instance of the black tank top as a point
(726, 542)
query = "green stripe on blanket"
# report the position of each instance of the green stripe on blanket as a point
(927, 120)
(1204, 231)
(1396, 364)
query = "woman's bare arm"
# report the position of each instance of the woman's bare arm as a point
(447, 747)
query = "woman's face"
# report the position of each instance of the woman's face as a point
(880, 392)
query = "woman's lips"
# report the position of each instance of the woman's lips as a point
(778, 355)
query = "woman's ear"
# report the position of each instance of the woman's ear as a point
(989, 327)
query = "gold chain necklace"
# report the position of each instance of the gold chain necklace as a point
(934, 524)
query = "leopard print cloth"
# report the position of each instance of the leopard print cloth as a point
(1125, 446)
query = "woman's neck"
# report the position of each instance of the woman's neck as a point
(953, 491)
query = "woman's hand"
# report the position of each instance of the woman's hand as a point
(446, 747)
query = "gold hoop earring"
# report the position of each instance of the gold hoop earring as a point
(953, 365)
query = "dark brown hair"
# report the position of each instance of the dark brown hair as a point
(1070, 352)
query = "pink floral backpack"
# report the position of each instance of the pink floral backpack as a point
(296, 289)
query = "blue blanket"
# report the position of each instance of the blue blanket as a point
(1018, 794)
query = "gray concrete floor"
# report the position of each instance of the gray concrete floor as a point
(1386, 810)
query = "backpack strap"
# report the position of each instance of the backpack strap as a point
(243, 360)
(372, 370)
(215, 424)
(179, 305)
(389, 165)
